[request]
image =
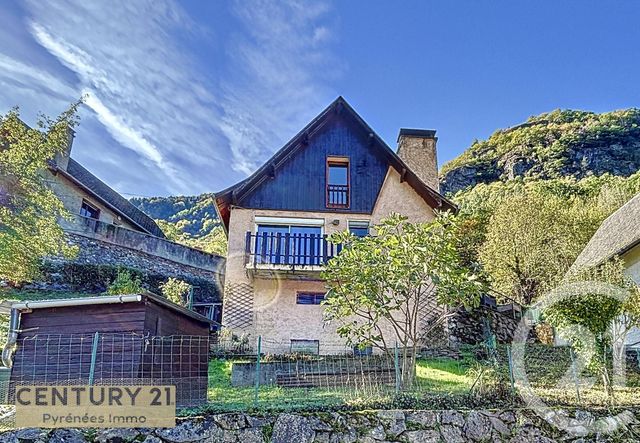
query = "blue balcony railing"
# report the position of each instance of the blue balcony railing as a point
(268, 248)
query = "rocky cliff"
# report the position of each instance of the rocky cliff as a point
(561, 143)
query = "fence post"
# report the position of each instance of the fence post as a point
(575, 374)
(94, 353)
(257, 384)
(396, 364)
(511, 377)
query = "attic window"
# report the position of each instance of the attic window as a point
(89, 211)
(337, 182)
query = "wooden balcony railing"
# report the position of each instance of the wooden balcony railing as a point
(268, 248)
(337, 196)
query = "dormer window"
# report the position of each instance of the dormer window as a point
(89, 211)
(337, 182)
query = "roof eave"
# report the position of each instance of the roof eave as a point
(430, 195)
(95, 195)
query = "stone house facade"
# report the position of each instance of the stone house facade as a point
(109, 230)
(335, 174)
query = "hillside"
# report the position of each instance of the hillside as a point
(190, 220)
(562, 143)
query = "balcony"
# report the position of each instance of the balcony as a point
(297, 255)
(337, 196)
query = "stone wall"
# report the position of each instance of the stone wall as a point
(96, 260)
(98, 252)
(517, 426)
(137, 241)
(470, 327)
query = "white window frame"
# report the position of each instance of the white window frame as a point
(288, 221)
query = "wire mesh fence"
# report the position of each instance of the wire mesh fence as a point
(267, 375)
(114, 359)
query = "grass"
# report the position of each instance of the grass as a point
(443, 375)
(438, 376)
(33, 294)
(227, 397)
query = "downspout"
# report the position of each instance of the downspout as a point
(12, 339)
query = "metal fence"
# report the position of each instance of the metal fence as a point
(234, 374)
(114, 359)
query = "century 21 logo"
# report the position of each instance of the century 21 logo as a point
(95, 406)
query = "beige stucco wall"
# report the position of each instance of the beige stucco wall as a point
(401, 198)
(71, 196)
(267, 306)
(632, 265)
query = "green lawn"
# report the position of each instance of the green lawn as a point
(443, 375)
(432, 376)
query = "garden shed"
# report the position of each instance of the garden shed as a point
(123, 339)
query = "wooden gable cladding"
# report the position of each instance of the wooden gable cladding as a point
(306, 169)
(296, 179)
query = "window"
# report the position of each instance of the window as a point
(289, 244)
(362, 352)
(337, 182)
(305, 346)
(309, 298)
(88, 210)
(359, 228)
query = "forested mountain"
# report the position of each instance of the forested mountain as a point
(190, 220)
(562, 143)
(531, 196)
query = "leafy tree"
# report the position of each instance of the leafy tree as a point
(605, 302)
(176, 290)
(214, 242)
(29, 210)
(383, 282)
(125, 283)
(531, 241)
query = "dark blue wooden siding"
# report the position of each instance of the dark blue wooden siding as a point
(300, 183)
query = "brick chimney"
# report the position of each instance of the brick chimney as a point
(417, 148)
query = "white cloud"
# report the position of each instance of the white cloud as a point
(280, 77)
(183, 117)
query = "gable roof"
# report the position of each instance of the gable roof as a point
(76, 173)
(234, 194)
(615, 236)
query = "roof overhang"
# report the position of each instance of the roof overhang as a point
(107, 299)
(233, 195)
(93, 194)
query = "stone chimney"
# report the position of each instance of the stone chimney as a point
(62, 158)
(417, 148)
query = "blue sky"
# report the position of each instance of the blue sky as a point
(189, 97)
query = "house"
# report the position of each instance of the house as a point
(619, 235)
(134, 338)
(86, 197)
(335, 174)
(109, 230)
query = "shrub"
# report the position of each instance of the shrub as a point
(176, 290)
(124, 283)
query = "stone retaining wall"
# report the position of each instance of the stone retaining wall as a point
(470, 327)
(98, 252)
(123, 238)
(519, 426)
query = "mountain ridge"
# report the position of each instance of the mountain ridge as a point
(556, 144)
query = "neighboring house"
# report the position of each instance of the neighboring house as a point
(87, 198)
(110, 230)
(619, 235)
(335, 174)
